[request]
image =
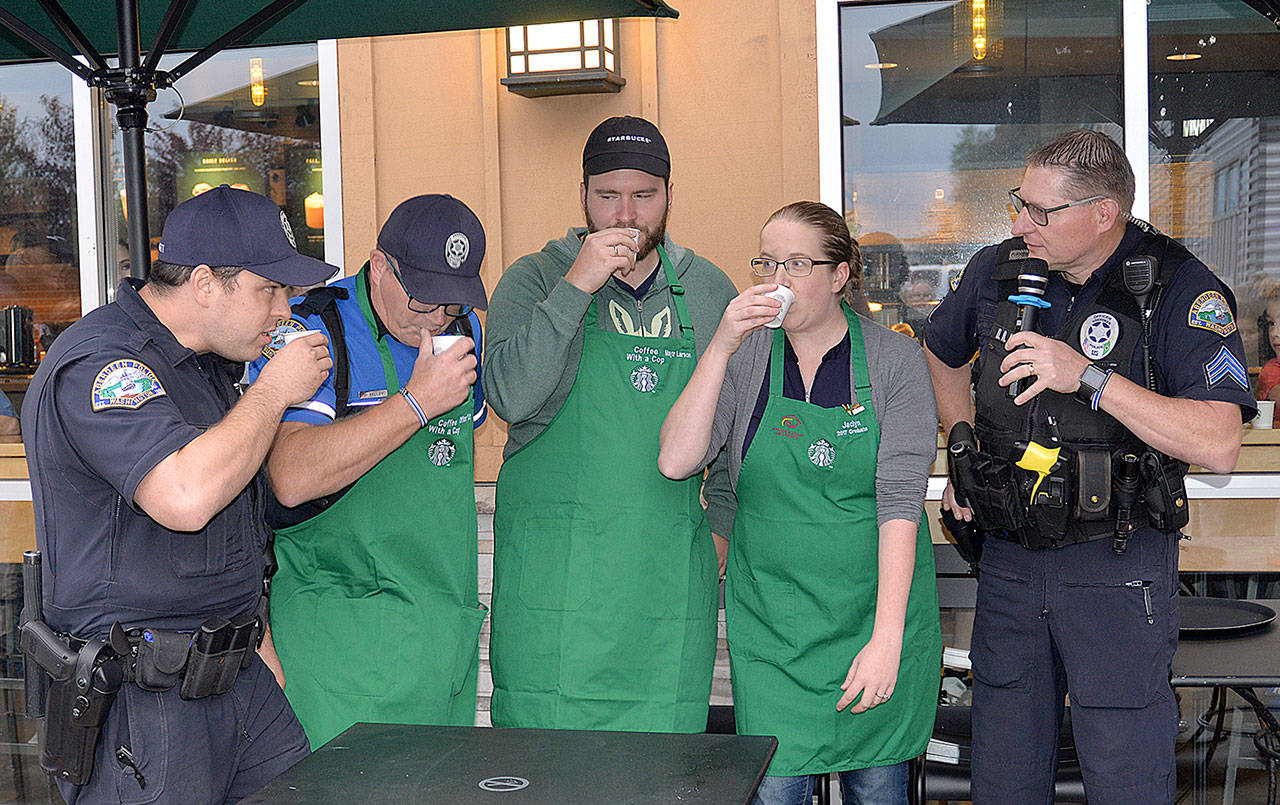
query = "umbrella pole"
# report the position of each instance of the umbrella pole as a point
(131, 115)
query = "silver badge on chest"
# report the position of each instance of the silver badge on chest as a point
(1098, 335)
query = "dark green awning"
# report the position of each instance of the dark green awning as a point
(206, 20)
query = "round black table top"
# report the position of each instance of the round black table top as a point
(1222, 617)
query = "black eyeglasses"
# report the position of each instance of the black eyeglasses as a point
(1040, 215)
(795, 266)
(454, 310)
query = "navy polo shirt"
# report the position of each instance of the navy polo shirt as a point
(368, 381)
(1191, 356)
(113, 398)
(830, 383)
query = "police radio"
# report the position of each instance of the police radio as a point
(1139, 274)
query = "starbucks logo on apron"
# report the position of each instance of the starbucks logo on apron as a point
(821, 453)
(644, 379)
(441, 452)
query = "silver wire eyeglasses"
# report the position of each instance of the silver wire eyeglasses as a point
(1040, 215)
(795, 266)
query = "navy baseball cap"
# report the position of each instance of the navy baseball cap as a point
(229, 227)
(626, 142)
(438, 244)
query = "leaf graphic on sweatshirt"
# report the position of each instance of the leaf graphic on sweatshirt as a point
(622, 319)
(660, 326)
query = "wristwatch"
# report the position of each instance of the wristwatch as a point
(1092, 380)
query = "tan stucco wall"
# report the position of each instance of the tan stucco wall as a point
(735, 95)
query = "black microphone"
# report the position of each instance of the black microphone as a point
(1033, 279)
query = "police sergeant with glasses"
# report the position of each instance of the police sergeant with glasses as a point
(1085, 424)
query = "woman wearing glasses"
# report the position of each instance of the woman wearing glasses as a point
(831, 601)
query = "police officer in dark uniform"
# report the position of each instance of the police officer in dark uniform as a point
(148, 492)
(1087, 415)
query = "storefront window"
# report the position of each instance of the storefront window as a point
(1215, 150)
(940, 102)
(39, 272)
(249, 118)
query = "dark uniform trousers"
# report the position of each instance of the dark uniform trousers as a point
(216, 749)
(1086, 621)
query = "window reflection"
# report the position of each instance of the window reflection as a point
(936, 124)
(1215, 149)
(38, 250)
(249, 118)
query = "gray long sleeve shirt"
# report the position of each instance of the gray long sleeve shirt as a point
(901, 392)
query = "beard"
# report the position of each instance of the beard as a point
(649, 238)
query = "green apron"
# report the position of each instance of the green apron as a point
(375, 610)
(801, 587)
(605, 582)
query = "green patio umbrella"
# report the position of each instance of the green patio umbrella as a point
(62, 29)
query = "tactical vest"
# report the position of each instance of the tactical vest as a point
(1074, 503)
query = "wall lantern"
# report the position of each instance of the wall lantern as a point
(563, 58)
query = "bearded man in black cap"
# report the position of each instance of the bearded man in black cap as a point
(145, 476)
(605, 593)
(375, 609)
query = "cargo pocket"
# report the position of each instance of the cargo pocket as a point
(555, 562)
(998, 649)
(471, 620)
(1109, 643)
(761, 620)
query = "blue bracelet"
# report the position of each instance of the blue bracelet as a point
(1097, 395)
(417, 409)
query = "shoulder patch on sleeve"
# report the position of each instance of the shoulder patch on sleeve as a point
(277, 340)
(125, 383)
(1211, 312)
(955, 281)
(1223, 366)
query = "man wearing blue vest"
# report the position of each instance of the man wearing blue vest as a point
(374, 610)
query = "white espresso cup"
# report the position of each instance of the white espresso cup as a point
(1266, 414)
(786, 296)
(295, 334)
(439, 343)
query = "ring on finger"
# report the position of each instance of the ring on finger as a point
(882, 696)
(1031, 367)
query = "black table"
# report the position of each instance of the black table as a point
(1239, 663)
(1250, 660)
(376, 763)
